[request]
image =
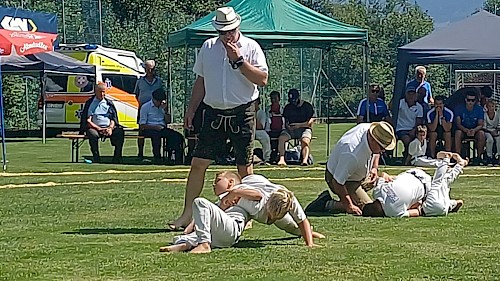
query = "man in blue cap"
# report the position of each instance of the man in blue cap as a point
(299, 119)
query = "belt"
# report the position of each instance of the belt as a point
(422, 181)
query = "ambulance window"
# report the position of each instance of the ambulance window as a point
(56, 83)
(123, 82)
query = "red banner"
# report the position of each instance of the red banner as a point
(25, 42)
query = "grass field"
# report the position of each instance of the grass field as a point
(106, 222)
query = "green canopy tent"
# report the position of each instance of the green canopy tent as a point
(277, 23)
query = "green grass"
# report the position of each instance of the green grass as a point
(112, 231)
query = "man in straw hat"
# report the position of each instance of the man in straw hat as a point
(229, 68)
(414, 193)
(353, 160)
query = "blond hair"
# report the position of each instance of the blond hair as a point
(279, 203)
(228, 175)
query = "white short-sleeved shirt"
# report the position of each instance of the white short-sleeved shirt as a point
(144, 89)
(152, 115)
(407, 116)
(225, 87)
(256, 209)
(416, 148)
(349, 160)
(400, 194)
(491, 124)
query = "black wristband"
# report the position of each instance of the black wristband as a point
(239, 62)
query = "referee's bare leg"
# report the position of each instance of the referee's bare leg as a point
(194, 186)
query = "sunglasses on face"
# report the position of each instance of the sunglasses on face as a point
(375, 91)
(221, 32)
(471, 100)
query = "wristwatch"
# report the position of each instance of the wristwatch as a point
(239, 62)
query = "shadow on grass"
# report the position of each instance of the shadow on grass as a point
(261, 243)
(88, 231)
(126, 160)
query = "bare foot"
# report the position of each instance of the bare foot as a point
(444, 154)
(318, 235)
(175, 248)
(281, 164)
(202, 248)
(460, 161)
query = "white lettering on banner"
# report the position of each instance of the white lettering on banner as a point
(28, 46)
(17, 24)
(26, 35)
(2, 51)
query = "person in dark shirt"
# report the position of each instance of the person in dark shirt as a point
(469, 121)
(299, 119)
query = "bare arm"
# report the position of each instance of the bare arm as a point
(253, 74)
(458, 123)
(305, 230)
(234, 195)
(479, 126)
(92, 124)
(197, 96)
(433, 126)
(345, 198)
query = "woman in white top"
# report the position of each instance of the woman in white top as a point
(491, 124)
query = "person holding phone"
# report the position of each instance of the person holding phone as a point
(229, 69)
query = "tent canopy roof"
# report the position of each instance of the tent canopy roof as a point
(49, 61)
(472, 39)
(275, 23)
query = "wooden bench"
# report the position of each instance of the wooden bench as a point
(77, 141)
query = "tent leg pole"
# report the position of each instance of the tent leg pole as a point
(2, 126)
(169, 83)
(328, 102)
(27, 104)
(44, 115)
(365, 79)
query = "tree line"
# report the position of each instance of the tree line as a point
(143, 25)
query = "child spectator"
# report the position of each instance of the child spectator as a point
(491, 124)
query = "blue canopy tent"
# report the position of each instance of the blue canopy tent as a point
(473, 40)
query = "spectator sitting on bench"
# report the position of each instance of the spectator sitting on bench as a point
(410, 116)
(276, 121)
(100, 120)
(491, 126)
(439, 123)
(469, 121)
(377, 108)
(153, 124)
(299, 119)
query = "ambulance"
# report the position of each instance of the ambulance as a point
(65, 95)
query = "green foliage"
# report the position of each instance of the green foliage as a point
(142, 26)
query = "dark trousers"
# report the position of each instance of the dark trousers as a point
(117, 139)
(175, 142)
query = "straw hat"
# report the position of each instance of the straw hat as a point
(383, 133)
(226, 19)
